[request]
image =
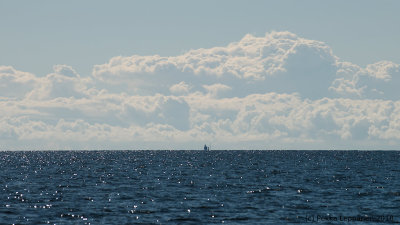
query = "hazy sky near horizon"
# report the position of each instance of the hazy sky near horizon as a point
(178, 74)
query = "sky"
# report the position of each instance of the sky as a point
(178, 74)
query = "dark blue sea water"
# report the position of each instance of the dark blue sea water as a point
(196, 187)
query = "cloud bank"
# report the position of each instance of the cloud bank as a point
(279, 91)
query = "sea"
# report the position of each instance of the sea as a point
(200, 187)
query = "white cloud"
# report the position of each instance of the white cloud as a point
(215, 90)
(378, 80)
(14, 83)
(180, 88)
(64, 82)
(276, 62)
(278, 90)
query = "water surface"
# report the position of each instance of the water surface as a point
(196, 187)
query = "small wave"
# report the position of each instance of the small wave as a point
(393, 193)
(364, 194)
(239, 218)
(263, 190)
(141, 211)
(8, 212)
(185, 219)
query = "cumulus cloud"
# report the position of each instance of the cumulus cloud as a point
(279, 62)
(14, 83)
(216, 90)
(180, 88)
(275, 91)
(378, 80)
(63, 82)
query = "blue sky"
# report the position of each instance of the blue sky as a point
(39, 34)
(178, 74)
